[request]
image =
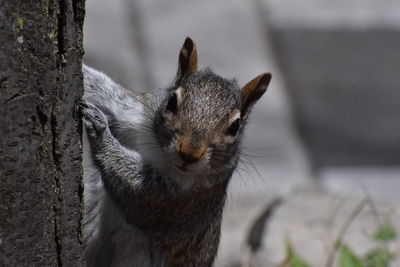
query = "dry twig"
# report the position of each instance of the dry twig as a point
(353, 215)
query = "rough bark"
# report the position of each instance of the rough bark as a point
(40, 134)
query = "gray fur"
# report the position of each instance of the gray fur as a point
(140, 208)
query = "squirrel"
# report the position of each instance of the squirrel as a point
(157, 164)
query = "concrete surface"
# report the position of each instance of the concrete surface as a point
(380, 183)
(340, 60)
(311, 221)
(327, 15)
(345, 89)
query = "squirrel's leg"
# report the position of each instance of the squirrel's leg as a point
(122, 168)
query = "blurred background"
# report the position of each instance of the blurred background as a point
(326, 134)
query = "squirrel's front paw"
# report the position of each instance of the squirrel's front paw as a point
(94, 118)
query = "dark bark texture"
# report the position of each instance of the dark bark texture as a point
(40, 134)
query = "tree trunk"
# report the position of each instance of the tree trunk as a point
(40, 132)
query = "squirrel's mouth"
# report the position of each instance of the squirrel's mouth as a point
(184, 169)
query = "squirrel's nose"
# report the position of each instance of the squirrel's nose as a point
(190, 154)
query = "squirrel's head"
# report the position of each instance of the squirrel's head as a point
(201, 120)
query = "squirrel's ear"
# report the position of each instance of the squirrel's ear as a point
(253, 91)
(187, 59)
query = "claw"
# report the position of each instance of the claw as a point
(82, 104)
(95, 120)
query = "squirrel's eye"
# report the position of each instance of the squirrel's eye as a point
(172, 104)
(234, 128)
